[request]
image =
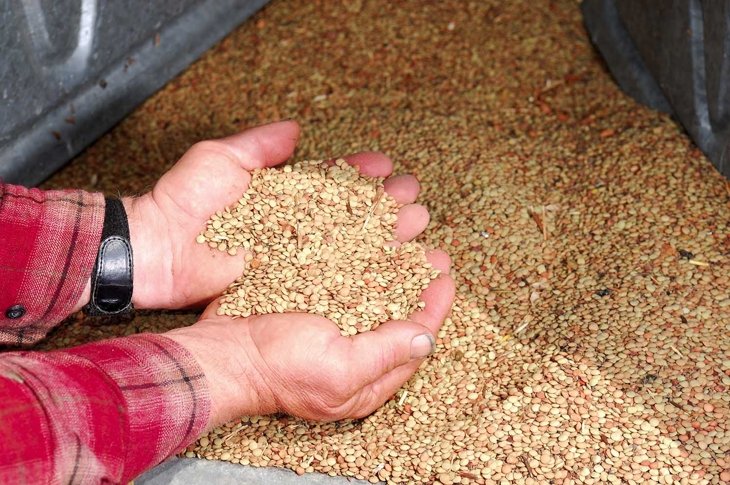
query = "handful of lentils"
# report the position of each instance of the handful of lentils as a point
(319, 238)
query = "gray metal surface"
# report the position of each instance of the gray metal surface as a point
(189, 471)
(71, 69)
(673, 55)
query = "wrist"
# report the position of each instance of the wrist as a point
(143, 264)
(151, 252)
(231, 377)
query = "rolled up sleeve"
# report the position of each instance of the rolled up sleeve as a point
(49, 244)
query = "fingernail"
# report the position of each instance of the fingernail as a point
(422, 346)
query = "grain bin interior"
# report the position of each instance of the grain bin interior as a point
(589, 235)
(72, 69)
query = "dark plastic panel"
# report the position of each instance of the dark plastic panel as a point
(671, 55)
(71, 69)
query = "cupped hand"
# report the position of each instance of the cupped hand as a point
(171, 270)
(299, 364)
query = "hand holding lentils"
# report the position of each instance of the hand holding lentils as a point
(319, 238)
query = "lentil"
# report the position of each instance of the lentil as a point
(321, 240)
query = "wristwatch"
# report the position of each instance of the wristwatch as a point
(112, 276)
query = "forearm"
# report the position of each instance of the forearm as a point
(104, 410)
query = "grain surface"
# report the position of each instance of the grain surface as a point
(589, 340)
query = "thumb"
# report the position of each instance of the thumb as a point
(214, 173)
(265, 145)
(393, 344)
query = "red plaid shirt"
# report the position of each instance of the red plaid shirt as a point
(98, 413)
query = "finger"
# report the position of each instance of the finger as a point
(439, 260)
(375, 353)
(263, 146)
(372, 164)
(403, 188)
(438, 297)
(412, 221)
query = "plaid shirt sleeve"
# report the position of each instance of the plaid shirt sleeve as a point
(48, 245)
(99, 413)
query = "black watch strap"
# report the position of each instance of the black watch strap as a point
(111, 279)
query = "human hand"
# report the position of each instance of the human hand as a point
(299, 363)
(171, 270)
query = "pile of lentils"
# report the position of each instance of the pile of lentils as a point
(590, 240)
(319, 238)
